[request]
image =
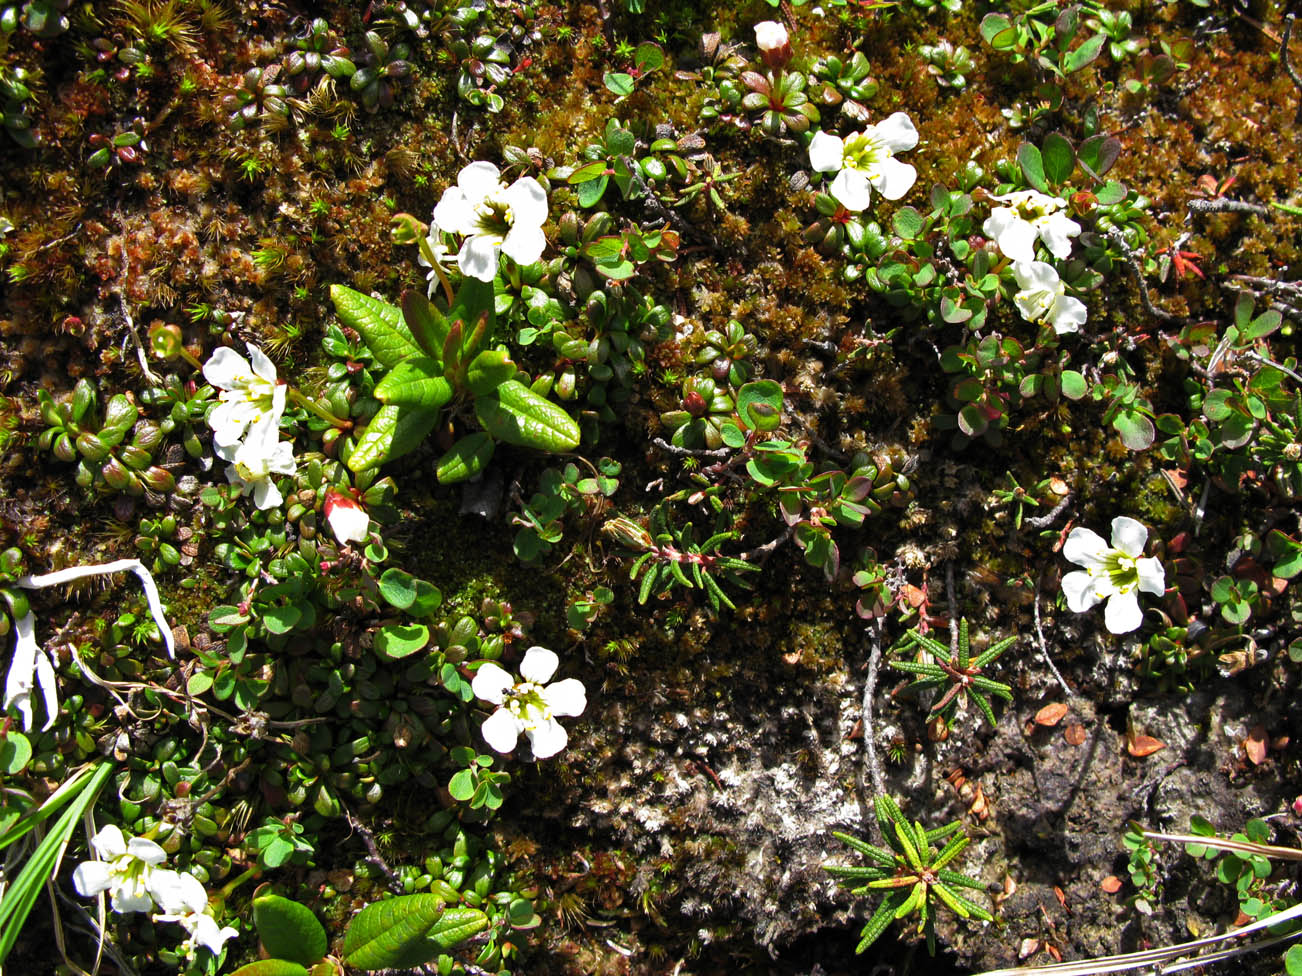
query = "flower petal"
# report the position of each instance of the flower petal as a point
(225, 367)
(1085, 547)
(1129, 536)
(1122, 614)
(852, 189)
(478, 257)
(22, 669)
(500, 731)
(1067, 314)
(524, 245)
(454, 213)
(566, 697)
(1152, 576)
(262, 366)
(1015, 237)
(898, 132)
(528, 202)
(547, 738)
(177, 892)
(894, 178)
(1057, 231)
(108, 842)
(478, 180)
(1079, 589)
(826, 152)
(1036, 275)
(91, 877)
(146, 850)
(491, 683)
(539, 664)
(266, 495)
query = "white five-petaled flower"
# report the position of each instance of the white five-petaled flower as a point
(261, 455)
(190, 911)
(865, 161)
(348, 520)
(492, 216)
(249, 393)
(1030, 214)
(1043, 297)
(128, 870)
(1112, 573)
(529, 706)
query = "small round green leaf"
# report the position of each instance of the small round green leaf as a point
(289, 930)
(401, 640)
(15, 753)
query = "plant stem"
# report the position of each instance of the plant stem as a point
(308, 404)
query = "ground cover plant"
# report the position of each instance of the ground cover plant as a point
(648, 487)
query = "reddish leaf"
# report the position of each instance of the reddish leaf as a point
(1075, 735)
(1111, 884)
(1140, 746)
(1254, 746)
(1051, 715)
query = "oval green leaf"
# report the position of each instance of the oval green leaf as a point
(380, 324)
(392, 432)
(289, 930)
(415, 382)
(759, 404)
(272, 967)
(401, 640)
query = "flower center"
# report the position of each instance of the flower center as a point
(493, 216)
(255, 471)
(1122, 571)
(1036, 305)
(527, 706)
(865, 151)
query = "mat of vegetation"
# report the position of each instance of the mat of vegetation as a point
(647, 487)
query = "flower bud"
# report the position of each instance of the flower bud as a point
(348, 520)
(775, 47)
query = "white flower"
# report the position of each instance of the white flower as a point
(31, 666)
(492, 216)
(529, 706)
(189, 909)
(129, 872)
(249, 393)
(261, 455)
(348, 520)
(1031, 214)
(1044, 298)
(865, 160)
(771, 36)
(1112, 573)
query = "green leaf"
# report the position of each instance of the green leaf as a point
(1136, 430)
(281, 620)
(648, 56)
(759, 404)
(426, 323)
(1098, 153)
(415, 382)
(1288, 555)
(15, 753)
(907, 223)
(289, 930)
(392, 432)
(456, 925)
(1084, 55)
(393, 934)
(397, 641)
(465, 459)
(475, 299)
(593, 190)
(589, 171)
(619, 141)
(1000, 34)
(1293, 961)
(1032, 163)
(517, 415)
(620, 83)
(398, 587)
(272, 967)
(380, 324)
(462, 785)
(489, 370)
(1058, 157)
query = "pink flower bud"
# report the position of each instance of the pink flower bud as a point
(774, 44)
(348, 520)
